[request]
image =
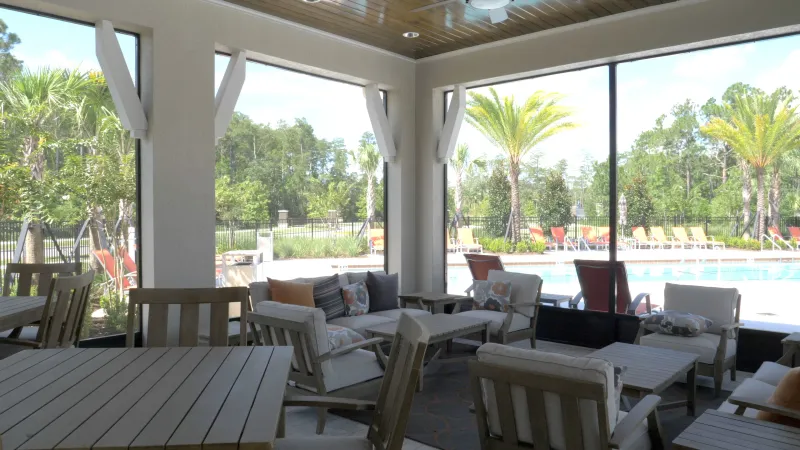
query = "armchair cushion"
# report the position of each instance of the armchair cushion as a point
(491, 295)
(704, 345)
(771, 373)
(524, 287)
(349, 369)
(714, 303)
(359, 324)
(302, 314)
(383, 291)
(787, 395)
(750, 388)
(356, 299)
(518, 321)
(553, 364)
(677, 323)
(339, 336)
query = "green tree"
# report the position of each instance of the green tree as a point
(515, 130)
(368, 159)
(9, 64)
(640, 205)
(463, 166)
(555, 201)
(760, 129)
(498, 199)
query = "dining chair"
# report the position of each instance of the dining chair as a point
(27, 277)
(393, 405)
(159, 301)
(63, 313)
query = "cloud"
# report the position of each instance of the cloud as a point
(786, 74)
(713, 63)
(57, 59)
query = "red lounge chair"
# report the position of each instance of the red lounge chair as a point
(595, 276)
(126, 280)
(480, 264)
(590, 238)
(777, 238)
(537, 235)
(795, 232)
(560, 236)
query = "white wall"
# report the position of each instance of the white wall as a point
(675, 26)
(178, 39)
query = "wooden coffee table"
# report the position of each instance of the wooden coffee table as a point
(716, 430)
(651, 370)
(432, 301)
(443, 328)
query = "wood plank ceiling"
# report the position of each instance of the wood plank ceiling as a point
(447, 27)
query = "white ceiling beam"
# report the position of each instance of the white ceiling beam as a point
(380, 122)
(452, 125)
(228, 93)
(118, 77)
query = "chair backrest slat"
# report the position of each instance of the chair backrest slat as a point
(537, 417)
(159, 300)
(25, 274)
(64, 310)
(505, 409)
(571, 420)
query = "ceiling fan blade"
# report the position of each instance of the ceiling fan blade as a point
(423, 8)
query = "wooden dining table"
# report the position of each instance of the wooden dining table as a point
(17, 312)
(125, 398)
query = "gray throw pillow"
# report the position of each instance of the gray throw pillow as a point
(677, 323)
(382, 291)
(328, 297)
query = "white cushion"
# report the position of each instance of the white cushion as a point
(302, 314)
(639, 439)
(749, 388)
(395, 314)
(524, 287)
(359, 324)
(717, 304)
(771, 373)
(518, 321)
(351, 368)
(579, 369)
(704, 345)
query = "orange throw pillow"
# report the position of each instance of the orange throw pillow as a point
(787, 395)
(301, 294)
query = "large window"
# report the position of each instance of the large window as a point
(299, 180)
(68, 179)
(705, 178)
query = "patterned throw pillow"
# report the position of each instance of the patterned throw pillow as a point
(342, 336)
(677, 323)
(491, 295)
(328, 297)
(356, 299)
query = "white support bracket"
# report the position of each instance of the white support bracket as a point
(452, 125)
(380, 123)
(118, 77)
(228, 93)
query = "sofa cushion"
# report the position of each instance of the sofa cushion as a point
(328, 297)
(525, 287)
(677, 323)
(356, 299)
(491, 295)
(589, 370)
(314, 318)
(350, 369)
(339, 336)
(749, 388)
(395, 314)
(360, 323)
(704, 345)
(518, 321)
(771, 373)
(382, 291)
(292, 293)
(714, 303)
(787, 395)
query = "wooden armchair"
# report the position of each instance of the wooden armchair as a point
(526, 399)
(387, 431)
(349, 371)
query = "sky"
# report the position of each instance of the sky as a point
(646, 89)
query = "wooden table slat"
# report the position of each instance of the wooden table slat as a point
(27, 363)
(20, 311)
(262, 421)
(716, 429)
(232, 417)
(61, 427)
(14, 359)
(160, 429)
(201, 416)
(59, 357)
(131, 424)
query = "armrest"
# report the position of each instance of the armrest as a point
(329, 402)
(514, 307)
(730, 329)
(643, 410)
(350, 348)
(635, 304)
(576, 300)
(749, 402)
(21, 342)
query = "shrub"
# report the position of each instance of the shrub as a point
(737, 242)
(304, 247)
(497, 245)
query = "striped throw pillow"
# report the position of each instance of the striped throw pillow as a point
(328, 297)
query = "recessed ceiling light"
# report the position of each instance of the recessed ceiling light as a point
(411, 34)
(311, 1)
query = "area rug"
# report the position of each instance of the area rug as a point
(440, 414)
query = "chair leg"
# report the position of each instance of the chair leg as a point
(533, 342)
(321, 417)
(718, 374)
(733, 370)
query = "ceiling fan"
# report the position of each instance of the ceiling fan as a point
(496, 8)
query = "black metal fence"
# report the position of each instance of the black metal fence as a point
(58, 240)
(237, 234)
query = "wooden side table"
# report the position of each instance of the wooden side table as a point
(791, 346)
(432, 301)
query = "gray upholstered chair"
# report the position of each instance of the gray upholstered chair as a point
(717, 346)
(527, 399)
(520, 321)
(391, 410)
(349, 371)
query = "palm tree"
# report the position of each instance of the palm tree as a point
(368, 159)
(35, 104)
(516, 129)
(463, 166)
(760, 129)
